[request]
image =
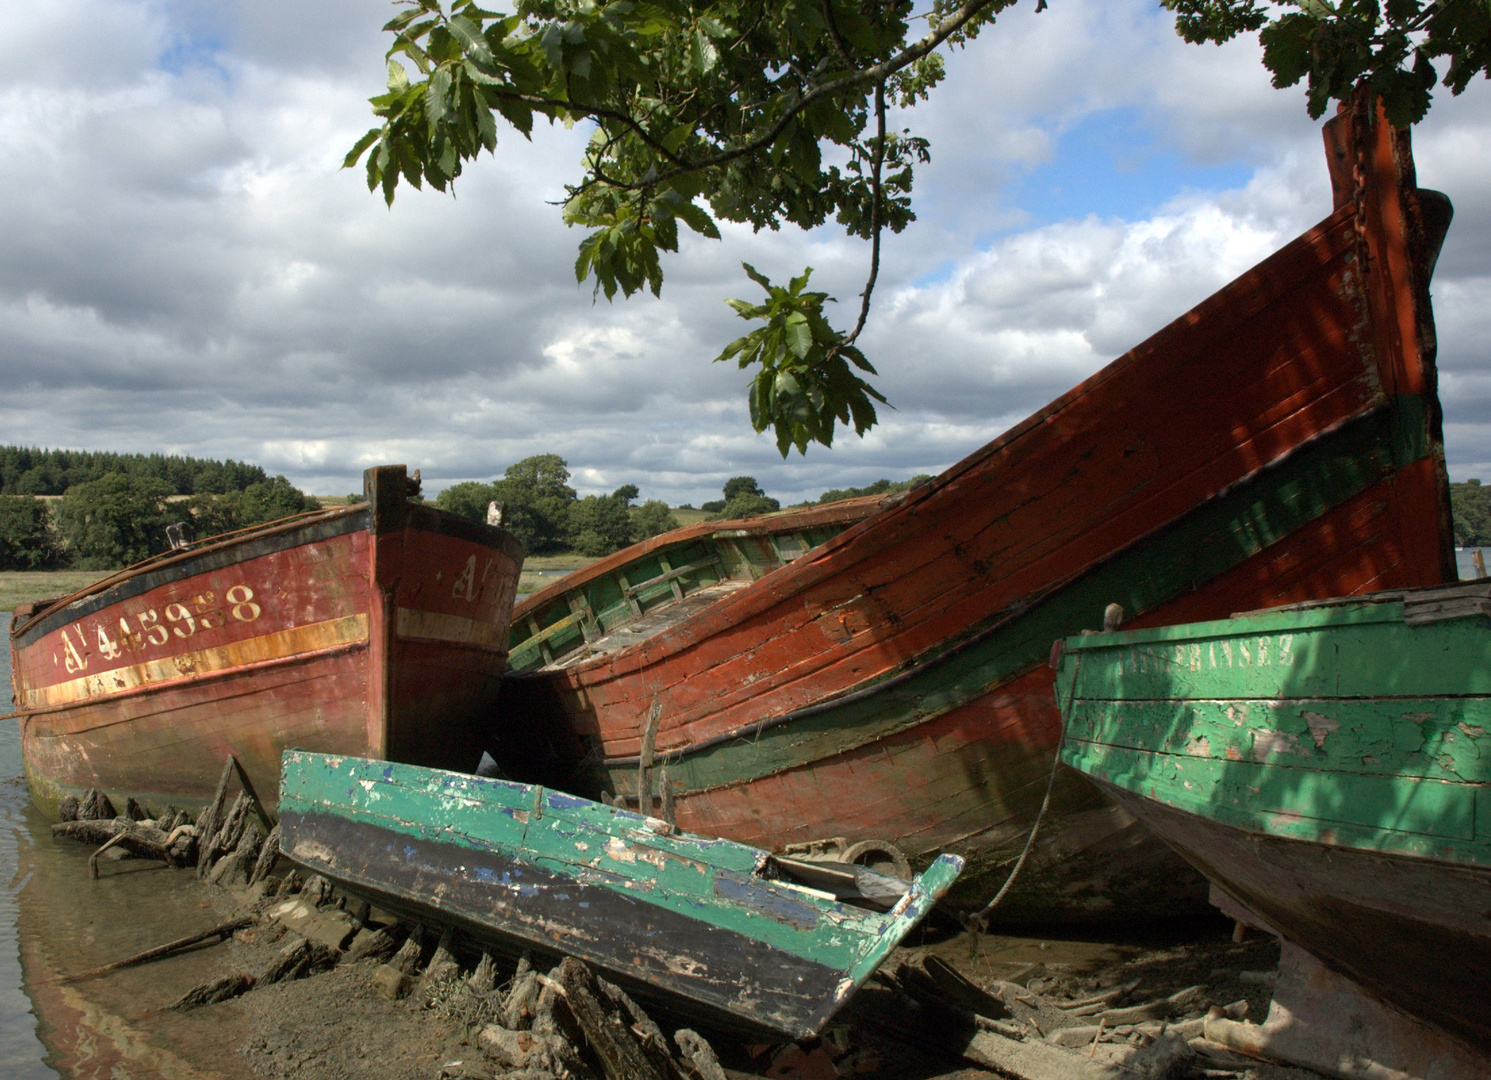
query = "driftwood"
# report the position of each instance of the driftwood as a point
(698, 1053)
(222, 932)
(144, 841)
(378, 946)
(297, 960)
(96, 806)
(407, 958)
(67, 809)
(483, 980)
(269, 854)
(211, 817)
(606, 1024)
(209, 993)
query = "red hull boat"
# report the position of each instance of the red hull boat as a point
(377, 629)
(1279, 442)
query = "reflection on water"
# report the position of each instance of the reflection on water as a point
(20, 1050)
(56, 920)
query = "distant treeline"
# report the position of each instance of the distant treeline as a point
(117, 518)
(879, 487)
(1471, 505)
(30, 470)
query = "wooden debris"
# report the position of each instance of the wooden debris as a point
(607, 1025)
(521, 1004)
(376, 945)
(298, 960)
(211, 817)
(316, 890)
(222, 932)
(391, 983)
(210, 993)
(698, 1053)
(134, 811)
(269, 854)
(409, 954)
(67, 809)
(483, 980)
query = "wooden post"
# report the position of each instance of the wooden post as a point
(644, 766)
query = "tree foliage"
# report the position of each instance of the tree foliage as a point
(27, 539)
(545, 513)
(115, 520)
(601, 524)
(743, 498)
(267, 500)
(1398, 47)
(1470, 504)
(774, 112)
(29, 470)
(652, 518)
(879, 487)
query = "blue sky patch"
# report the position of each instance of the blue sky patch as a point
(1112, 164)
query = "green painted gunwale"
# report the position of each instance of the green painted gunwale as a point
(1156, 569)
(621, 852)
(1338, 724)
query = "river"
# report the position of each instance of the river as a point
(21, 1051)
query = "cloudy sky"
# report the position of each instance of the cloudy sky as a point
(184, 267)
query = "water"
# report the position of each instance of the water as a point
(21, 1052)
(56, 920)
(1465, 566)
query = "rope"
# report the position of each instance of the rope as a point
(977, 922)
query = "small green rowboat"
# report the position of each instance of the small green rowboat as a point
(741, 934)
(1328, 767)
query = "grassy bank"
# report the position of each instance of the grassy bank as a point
(18, 586)
(543, 570)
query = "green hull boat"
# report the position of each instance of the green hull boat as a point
(741, 935)
(1328, 767)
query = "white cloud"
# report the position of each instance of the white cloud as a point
(185, 267)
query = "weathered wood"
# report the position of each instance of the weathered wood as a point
(1294, 454)
(716, 923)
(269, 854)
(1345, 813)
(248, 787)
(96, 806)
(67, 808)
(133, 810)
(607, 1026)
(297, 960)
(222, 932)
(644, 763)
(376, 945)
(699, 1054)
(211, 817)
(371, 628)
(408, 958)
(210, 993)
(483, 977)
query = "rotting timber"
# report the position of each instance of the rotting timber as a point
(378, 628)
(1279, 442)
(1328, 767)
(724, 926)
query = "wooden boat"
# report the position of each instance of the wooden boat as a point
(1328, 767)
(378, 628)
(722, 925)
(1279, 442)
(640, 590)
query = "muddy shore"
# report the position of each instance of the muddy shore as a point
(337, 1025)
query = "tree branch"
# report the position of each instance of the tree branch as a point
(876, 225)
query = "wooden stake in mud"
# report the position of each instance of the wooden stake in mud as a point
(221, 932)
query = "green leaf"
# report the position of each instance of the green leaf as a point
(469, 36)
(362, 144)
(398, 78)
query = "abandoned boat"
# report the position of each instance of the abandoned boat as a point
(378, 628)
(1279, 442)
(628, 595)
(1327, 765)
(734, 931)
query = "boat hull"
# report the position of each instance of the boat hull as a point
(520, 867)
(1411, 931)
(1279, 442)
(1327, 768)
(349, 631)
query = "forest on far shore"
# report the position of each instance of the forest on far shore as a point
(93, 510)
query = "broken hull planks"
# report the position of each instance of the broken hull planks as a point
(379, 628)
(1329, 768)
(1279, 442)
(526, 867)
